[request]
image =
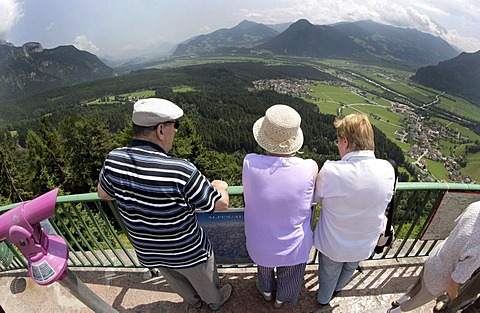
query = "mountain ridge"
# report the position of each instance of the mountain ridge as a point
(244, 35)
(31, 68)
(307, 40)
(401, 43)
(458, 76)
(362, 40)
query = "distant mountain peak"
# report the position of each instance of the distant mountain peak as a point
(246, 23)
(31, 47)
(31, 69)
(301, 24)
(5, 43)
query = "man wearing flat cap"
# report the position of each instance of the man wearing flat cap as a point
(157, 195)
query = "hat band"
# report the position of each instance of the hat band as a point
(287, 143)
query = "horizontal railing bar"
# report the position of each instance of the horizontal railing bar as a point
(87, 240)
(238, 191)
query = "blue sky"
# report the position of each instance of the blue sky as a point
(119, 28)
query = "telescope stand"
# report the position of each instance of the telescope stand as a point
(80, 291)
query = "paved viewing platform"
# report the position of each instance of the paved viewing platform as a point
(107, 265)
(133, 290)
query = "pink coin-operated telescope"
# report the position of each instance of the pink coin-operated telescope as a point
(47, 254)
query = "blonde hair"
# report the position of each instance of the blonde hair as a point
(357, 129)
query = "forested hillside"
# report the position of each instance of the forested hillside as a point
(458, 76)
(66, 147)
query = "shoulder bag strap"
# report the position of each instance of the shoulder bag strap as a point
(390, 205)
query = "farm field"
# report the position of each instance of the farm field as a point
(135, 95)
(335, 94)
(473, 166)
(335, 100)
(459, 107)
(437, 169)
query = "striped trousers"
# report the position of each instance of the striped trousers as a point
(287, 284)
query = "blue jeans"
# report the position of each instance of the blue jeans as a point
(332, 276)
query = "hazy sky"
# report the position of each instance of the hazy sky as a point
(119, 27)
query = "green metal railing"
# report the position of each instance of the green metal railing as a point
(96, 236)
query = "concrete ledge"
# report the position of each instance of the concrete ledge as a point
(132, 290)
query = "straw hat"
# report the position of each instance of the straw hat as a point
(279, 130)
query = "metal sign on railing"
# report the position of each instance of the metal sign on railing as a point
(226, 233)
(448, 210)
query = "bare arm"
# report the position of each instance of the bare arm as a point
(222, 203)
(452, 289)
(102, 194)
(316, 196)
(316, 170)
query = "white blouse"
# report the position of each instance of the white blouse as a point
(354, 193)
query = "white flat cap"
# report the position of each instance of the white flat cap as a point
(152, 111)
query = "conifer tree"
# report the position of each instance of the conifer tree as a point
(11, 182)
(45, 163)
(86, 142)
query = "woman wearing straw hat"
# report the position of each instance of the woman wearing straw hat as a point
(278, 191)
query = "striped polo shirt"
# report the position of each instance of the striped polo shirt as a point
(157, 195)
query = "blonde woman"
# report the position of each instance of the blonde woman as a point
(354, 193)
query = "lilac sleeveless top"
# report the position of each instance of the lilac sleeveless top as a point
(278, 196)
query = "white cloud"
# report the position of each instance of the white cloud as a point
(468, 44)
(205, 29)
(10, 13)
(430, 8)
(50, 26)
(82, 43)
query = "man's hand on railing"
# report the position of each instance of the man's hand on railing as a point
(452, 289)
(221, 186)
(102, 194)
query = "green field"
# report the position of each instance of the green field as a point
(473, 166)
(182, 88)
(326, 107)
(403, 145)
(367, 85)
(112, 98)
(335, 94)
(462, 130)
(380, 111)
(136, 95)
(460, 107)
(217, 59)
(437, 169)
(388, 129)
(447, 147)
(399, 82)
